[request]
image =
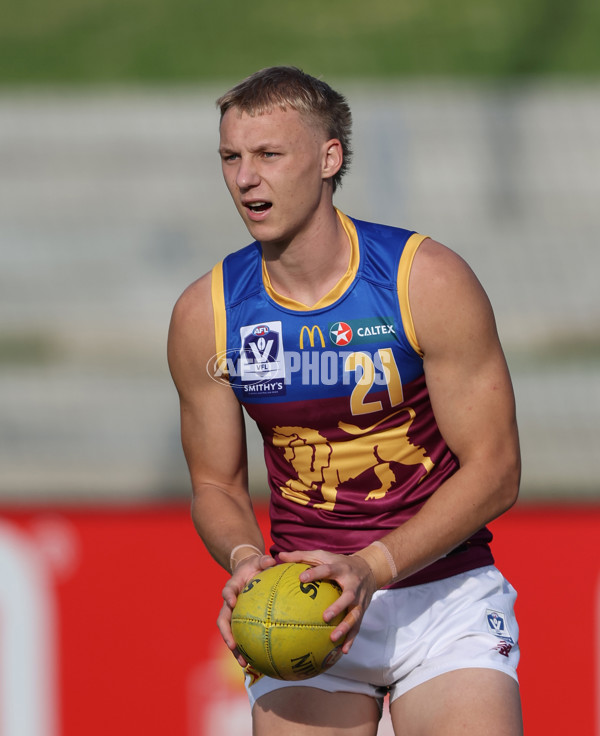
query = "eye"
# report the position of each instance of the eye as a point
(270, 154)
(229, 157)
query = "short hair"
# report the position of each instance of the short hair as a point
(288, 86)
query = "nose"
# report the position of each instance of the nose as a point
(247, 175)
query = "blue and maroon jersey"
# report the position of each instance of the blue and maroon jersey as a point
(338, 392)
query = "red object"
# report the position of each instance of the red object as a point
(121, 605)
(551, 555)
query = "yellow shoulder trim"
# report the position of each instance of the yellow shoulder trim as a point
(341, 286)
(219, 313)
(404, 268)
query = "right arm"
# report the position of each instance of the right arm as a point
(214, 444)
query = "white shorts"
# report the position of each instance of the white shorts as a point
(411, 635)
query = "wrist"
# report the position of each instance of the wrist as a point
(379, 558)
(242, 552)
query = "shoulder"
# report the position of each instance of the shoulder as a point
(436, 261)
(191, 330)
(440, 273)
(194, 302)
(446, 297)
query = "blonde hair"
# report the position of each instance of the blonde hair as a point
(290, 87)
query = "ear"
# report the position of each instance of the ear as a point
(333, 157)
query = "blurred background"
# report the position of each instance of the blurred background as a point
(476, 122)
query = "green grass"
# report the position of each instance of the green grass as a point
(189, 41)
(27, 348)
(577, 348)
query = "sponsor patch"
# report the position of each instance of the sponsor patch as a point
(496, 621)
(340, 333)
(314, 336)
(262, 361)
(361, 331)
(504, 648)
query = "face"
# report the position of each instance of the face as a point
(275, 166)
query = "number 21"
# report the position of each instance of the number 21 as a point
(358, 402)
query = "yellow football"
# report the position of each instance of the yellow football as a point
(278, 625)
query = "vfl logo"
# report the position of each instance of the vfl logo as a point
(258, 366)
(340, 333)
(310, 331)
(261, 348)
(262, 361)
(497, 624)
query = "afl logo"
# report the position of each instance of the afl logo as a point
(261, 330)
(340, 333)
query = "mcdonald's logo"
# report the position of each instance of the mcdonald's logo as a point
(310, 331)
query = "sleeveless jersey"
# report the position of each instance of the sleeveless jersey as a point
(338, 392)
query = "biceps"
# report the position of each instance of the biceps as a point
(473, 402)
(213, 438)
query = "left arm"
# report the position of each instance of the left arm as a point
(473, 402)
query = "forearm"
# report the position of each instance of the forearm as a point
(225, 521)
(465, 503)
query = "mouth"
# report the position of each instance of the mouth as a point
(258, 208)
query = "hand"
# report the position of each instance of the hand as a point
(354, 576)
(244, 571)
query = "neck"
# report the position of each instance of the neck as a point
(307, 268)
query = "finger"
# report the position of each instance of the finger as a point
(229, 594)
(348, 628)
(317, 571)
(225, 616)
(291, 556)
(224, 626)
(348, 642)
(343, 604)
(225, 630)
(310, 557)
(245, 570)
(240, 660)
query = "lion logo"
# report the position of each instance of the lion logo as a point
(324, 465)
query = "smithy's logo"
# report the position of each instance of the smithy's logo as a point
(340, 333)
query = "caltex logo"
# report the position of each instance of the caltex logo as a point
(340, 333)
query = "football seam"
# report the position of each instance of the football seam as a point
(283, 624)
(271, 600)
(271, 627)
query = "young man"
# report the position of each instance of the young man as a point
(369, 358)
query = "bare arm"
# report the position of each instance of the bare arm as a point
(212, 430)
(214, 444)
(473, 402)
(472, 399)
